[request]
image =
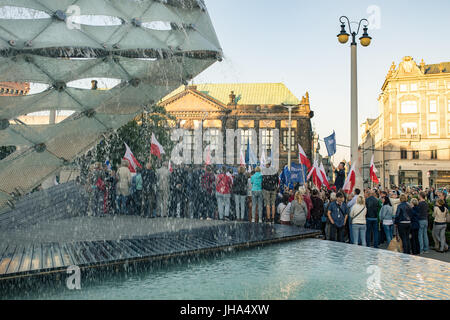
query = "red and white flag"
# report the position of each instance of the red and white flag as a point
(133, 163)
(324, 176)
(170, 166)
(373, 172)
(242, 158)
(350, 181)
(156, 148)
(316, 176)
(208, 156)
(302, 158)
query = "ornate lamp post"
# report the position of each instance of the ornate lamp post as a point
(365, 40)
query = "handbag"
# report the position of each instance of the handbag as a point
(358, 213)
(447, 217)
(396, 245)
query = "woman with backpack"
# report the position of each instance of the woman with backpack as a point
(240, 183)
(441, 218)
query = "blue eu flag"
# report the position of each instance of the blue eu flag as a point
(330, 143)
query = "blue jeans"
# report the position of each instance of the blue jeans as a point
(240, 202)
(350, 231)
(389, 232)
(423, 235)
(223, 203)
(372, 227)
(257, 198)
(122, 204)
(359, 234)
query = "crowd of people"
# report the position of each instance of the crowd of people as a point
(366, 217)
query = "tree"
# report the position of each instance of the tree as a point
(137, 135)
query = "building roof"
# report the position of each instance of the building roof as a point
(436, 68)
(246, 93)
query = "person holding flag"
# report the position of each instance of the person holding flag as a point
(340, 176)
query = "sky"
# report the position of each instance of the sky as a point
(295, 42)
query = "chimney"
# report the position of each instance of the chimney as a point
(232, 99)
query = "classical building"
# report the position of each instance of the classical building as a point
(245, 106)
(14, 89)
(411, 136)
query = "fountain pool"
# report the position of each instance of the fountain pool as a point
(305, 269)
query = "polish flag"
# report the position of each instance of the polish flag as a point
(316, 176)
(324, 176)
(208, 155)
(350, 181)
(133, 163)
(156, 148)
(170, 166)
(302, 158)
(373, 172)
(242, 158)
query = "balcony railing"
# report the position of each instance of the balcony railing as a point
(410, 136)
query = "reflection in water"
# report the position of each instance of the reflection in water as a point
(305, 269)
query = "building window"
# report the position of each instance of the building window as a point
(188, 140)
(432, 85)
(403, 88)
(267, 140)
(448, 105)
(409, 107)
(448, 126)
(413, 86)
(433, 154)
(433, 106)
(403, 154)
(433, 127)
(246, 137)
(415, 154)
(286, 140)
(212, 136)
(409, 128)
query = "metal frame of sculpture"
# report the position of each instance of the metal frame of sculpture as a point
(150, 63)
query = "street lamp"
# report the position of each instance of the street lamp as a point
(289, 107)
(365, 41)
